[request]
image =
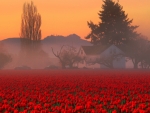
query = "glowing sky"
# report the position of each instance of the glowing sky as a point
(64, 17)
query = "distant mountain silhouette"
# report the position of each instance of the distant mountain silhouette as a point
(70, 39)
(11, 40)
(53, 39)
(56, 42)
(12, 45)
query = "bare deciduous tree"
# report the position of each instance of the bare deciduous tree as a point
(137, 51)
(67, 56)
(30, 28)
(106, 60)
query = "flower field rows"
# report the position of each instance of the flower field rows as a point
(72, 91)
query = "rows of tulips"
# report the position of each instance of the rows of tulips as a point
(74, 92)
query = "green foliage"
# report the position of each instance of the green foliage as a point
(56, 104)
(123, 101)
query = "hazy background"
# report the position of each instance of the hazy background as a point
(64, 17)
(13, 47)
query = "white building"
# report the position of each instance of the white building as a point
(93, 53)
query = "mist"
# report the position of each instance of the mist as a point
(11, 46)
(45, 57)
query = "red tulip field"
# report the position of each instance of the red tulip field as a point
(74, 91)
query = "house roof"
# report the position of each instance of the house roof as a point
(95, 50)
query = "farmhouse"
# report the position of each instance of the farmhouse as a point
(92, 54)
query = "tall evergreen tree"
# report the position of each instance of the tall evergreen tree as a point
(115, 26)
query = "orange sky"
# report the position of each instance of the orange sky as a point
(64, 17)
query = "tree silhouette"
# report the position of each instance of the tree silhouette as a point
(30, 28)
(145, 63)
(67, 56)
(115, 26)
(4, 57)
(108, 60)
(31, 53)
(138, 51)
